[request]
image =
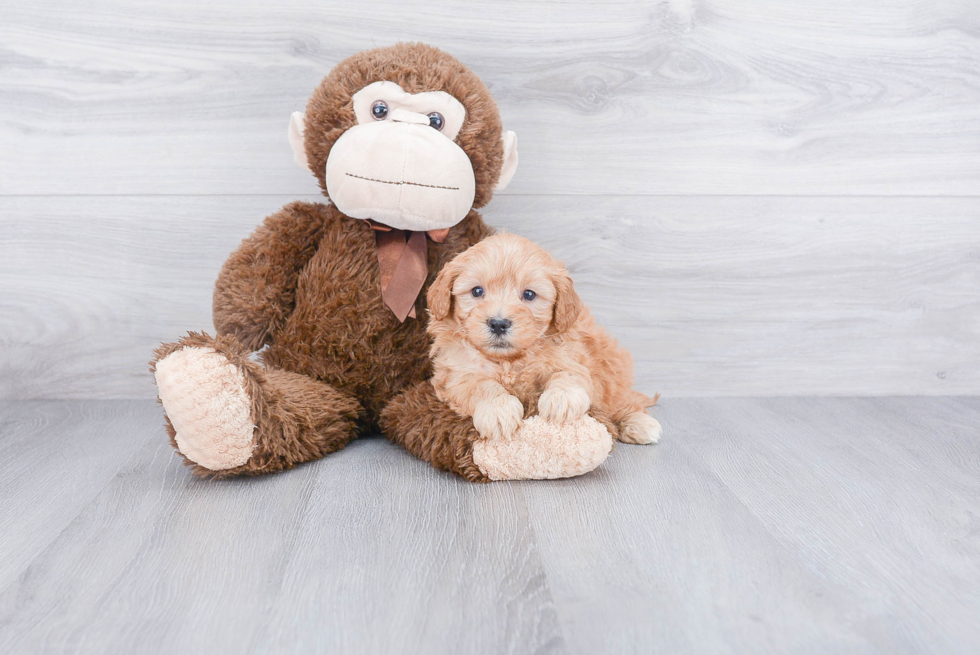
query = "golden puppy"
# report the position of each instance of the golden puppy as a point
(510, 330)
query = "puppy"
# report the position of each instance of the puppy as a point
(509, 330)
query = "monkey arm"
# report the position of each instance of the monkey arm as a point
(256, 288)
(430, 429)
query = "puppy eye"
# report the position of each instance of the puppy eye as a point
(529, 295)
(379, 110)
(436, 120)
(477, 292)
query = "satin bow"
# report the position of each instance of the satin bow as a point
(404, 263)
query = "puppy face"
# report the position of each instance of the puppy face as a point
(502, 296)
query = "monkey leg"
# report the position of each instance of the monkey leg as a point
(539, 450)
(227, 415)
(431, 431)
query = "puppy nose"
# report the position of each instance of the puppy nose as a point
(499, 325)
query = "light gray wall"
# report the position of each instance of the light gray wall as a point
(758, 197)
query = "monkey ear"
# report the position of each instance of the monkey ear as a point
(297, 124)
(510, 161)
(568, 305)
(439, 299)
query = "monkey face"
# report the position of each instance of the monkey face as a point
(399, 164)
(405, 135)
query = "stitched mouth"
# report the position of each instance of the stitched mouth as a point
(404, 182)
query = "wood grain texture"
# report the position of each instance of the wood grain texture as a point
(714, 296)
(775, 525)
(806, 525)
(48, 445)
(369, 550)
(638, 97)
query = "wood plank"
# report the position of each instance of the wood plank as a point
(757, 525)
(714, 296)
(652, 553)
(368, 550)
(676, 97)
(774, 525)
(57, 457)
(778, 296)
(899, 483)
(442, 564)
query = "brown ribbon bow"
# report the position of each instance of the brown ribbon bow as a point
(403, 259)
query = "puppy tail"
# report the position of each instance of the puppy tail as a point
(647, 401)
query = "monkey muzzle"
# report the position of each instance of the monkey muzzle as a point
(402, 173)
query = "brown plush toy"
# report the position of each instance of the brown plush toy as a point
(405, 141)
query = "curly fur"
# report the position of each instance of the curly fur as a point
(552, 351)
(326, 318)
(297, 418)
(306, 286)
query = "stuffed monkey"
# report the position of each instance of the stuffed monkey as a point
(404, 141)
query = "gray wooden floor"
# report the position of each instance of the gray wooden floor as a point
(758, 525)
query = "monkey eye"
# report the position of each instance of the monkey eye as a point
(477, 292)
(529, 295)
(436, 120)
(379, 110)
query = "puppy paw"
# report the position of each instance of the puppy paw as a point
(498, 417)
(563, 404)
(640, 428)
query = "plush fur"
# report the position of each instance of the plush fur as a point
(306, 286)
(544, 450)
(416, 68)
(547, 345)
(320, 304)
(433, 432)
(209, 406)
(296, 418)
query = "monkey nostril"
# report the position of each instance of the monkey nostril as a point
(499, 325)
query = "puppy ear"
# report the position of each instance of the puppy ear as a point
(567, 303)
(439, 299)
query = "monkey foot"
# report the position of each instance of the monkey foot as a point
(541, 450)
(205, 399)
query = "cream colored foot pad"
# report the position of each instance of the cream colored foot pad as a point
(204, 396)
(540, 450)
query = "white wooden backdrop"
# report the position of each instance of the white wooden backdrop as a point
(759, 197)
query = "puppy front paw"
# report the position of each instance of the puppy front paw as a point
(498, 417)
(563, 404)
